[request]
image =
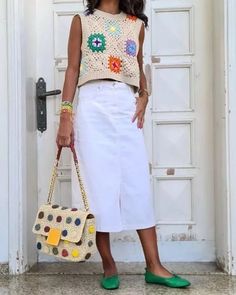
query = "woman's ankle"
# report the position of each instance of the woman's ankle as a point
(109, 268)
(158, 269)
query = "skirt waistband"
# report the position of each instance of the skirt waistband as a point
(109, 84)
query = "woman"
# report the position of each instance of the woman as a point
(105, 60)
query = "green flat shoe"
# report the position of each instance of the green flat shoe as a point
(110, 282)
(172, 282)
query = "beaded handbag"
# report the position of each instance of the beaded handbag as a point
(67, 233)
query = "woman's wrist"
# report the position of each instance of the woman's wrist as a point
(66, 116)
(66, 110)
(143, 92)
(144, 96)
(66, 106)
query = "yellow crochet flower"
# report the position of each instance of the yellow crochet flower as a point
(113, 28)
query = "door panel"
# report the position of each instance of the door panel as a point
(174, 92)
(173, 33)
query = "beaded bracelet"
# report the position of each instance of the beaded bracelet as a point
(69, 108)
(66, 106)
(66, 110)
(66, 103)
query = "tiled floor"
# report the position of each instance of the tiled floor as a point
(83, 278)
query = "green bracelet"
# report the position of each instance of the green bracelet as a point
(66, 103)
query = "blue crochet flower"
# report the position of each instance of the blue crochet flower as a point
(130, 47)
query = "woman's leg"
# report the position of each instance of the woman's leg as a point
(103, 245)
(148, 240)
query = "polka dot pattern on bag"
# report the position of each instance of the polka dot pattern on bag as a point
(69, 225)
(64, 253)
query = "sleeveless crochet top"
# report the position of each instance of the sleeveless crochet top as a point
(110, 44)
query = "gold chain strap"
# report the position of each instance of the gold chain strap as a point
(52, 182)
(83, 193)
(55, 174)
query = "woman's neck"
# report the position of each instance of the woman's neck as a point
(110, 6)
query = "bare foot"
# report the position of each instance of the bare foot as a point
(160, 271)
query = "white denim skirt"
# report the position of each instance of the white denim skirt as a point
(112, 158)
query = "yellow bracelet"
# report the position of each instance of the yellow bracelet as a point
(69, 109)
(66, 103)
(66, 110)
(66, 107)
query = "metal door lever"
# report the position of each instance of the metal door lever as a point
(41, 95)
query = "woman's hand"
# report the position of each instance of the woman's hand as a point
(65, 134)
(141, 104)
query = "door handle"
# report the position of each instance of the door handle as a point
(41, 95)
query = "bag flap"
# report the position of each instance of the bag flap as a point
(70, 221)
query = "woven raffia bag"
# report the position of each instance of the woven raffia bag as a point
(67, 233)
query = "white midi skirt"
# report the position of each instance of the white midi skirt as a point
(112, 158)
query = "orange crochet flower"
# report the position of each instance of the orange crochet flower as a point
(132, 17)
(114, 64)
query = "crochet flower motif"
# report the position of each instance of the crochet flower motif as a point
(132, 17)
(113, 28)
(114, 64)
(97, 42)
(130, 47)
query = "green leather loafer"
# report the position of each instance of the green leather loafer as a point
(174, 282)
(110, 282)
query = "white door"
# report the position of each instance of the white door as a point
(177, 131)
(178, 128)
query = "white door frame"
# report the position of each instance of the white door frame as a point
(230, 90)
(17, 193)
(18, 259)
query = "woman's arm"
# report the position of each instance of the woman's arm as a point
(143, 81)
(142, 100)
(72, 71)
(65, 132)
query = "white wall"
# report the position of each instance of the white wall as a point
(4, 136)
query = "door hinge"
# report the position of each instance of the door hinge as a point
(150, 168)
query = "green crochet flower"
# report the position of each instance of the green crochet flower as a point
(97, 42)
